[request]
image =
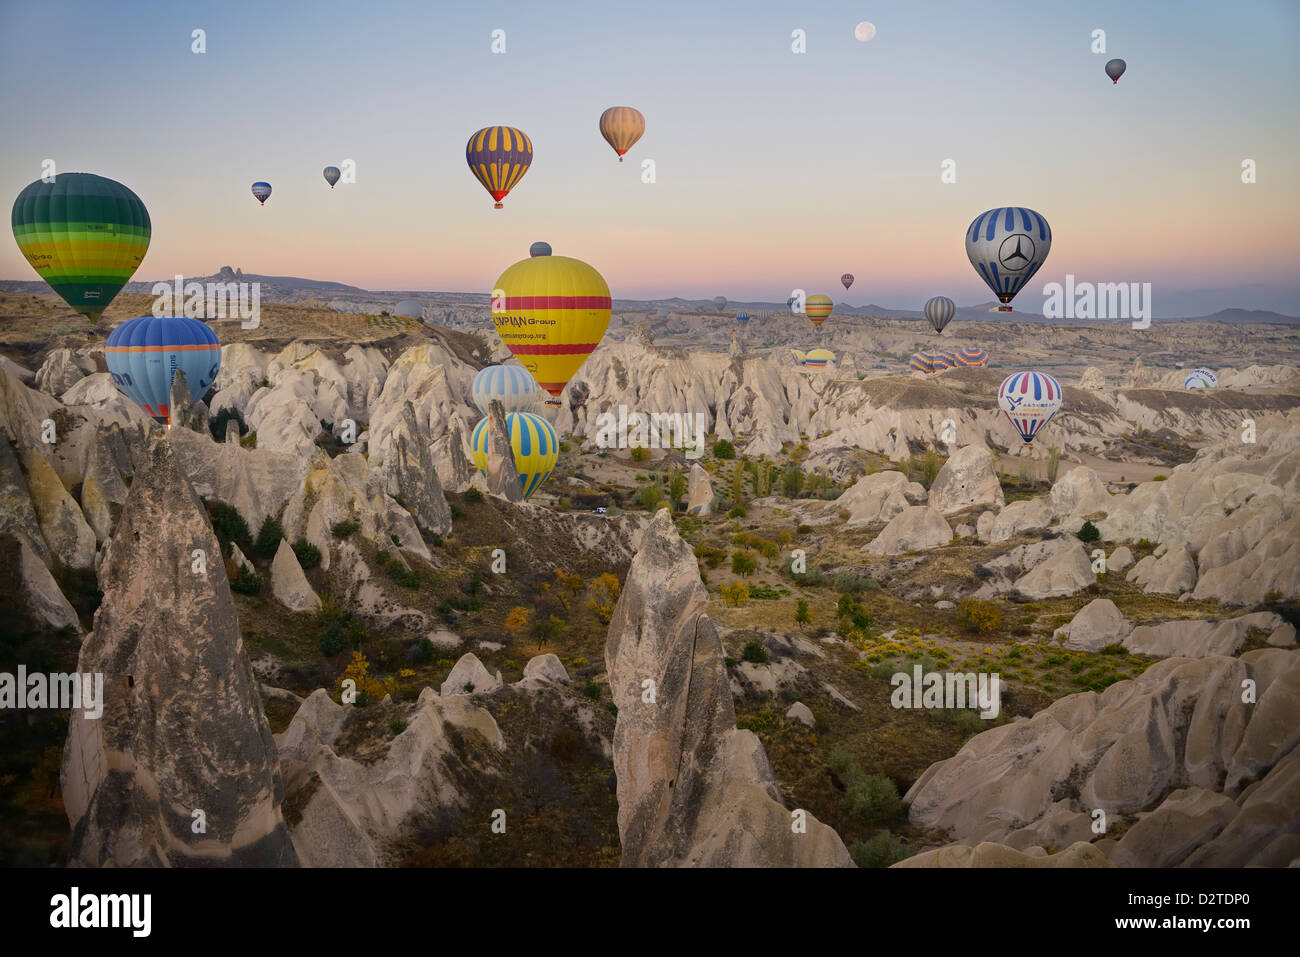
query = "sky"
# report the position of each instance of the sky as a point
(772, 170)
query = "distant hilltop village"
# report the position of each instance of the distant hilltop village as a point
(226, 274)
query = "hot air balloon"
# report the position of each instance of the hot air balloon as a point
(817, 358)
(791, 304)
(1115, 69)
(922, 362)
(1007, 246)
(516, 390)
(1029, 400)
(742, 317)
(1200, 379)
(262, 191)
(85, 235)
(143, 355)
(847, 279)
(499, 156)
(940, 310)
(539, 249)
(800, 358)
(332, 175)
(621, 126)
(720, 303)
(970, 356)
(817, 308)
(551, 311)
(533, 442)
(943, 359)
(409, 309)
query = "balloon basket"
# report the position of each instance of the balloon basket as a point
(498, 206)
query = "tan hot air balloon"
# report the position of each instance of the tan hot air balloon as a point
(622, 126)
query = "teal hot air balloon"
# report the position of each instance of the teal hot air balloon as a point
(262, 191)
(85, 235)
(143, 355)
(332, 175)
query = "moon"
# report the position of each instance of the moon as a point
(864, 31)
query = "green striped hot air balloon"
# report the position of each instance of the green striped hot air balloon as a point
(85, 235)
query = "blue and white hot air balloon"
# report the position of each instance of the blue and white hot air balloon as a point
(513, 385)
(1200, 379)
(143, 355)
(539, 249)
(1029, 400)
(940, 310)
(1007, 246)
(262, 191)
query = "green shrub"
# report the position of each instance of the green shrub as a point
(639, 453)
(473, 495)
(456, 511)
(406, 577)
(592, 689)
(754, 652)
(762, 591)
(308, 555)
(1089, 532)
(397, 726)
(872, 798)
(882, 850)
(737, 511)
(268, 537)
(743, 563)
(762, 721)
(343, 529)
(228, 525)
(246, 582)
(723, 449)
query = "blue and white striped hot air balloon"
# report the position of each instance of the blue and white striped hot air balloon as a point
(940, 310)
(262, 191)
(1029, 400)
(143, 355)
(1007, 246)
(513, 385)
(1200, 379)
(533, 442)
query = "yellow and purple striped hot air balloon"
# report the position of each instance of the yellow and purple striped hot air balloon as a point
(552, 312)
(971, 356)
(922, 362)
(499, 156)
(622, 126)
(818, 308)
(943, 359)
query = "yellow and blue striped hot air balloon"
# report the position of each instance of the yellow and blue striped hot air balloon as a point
(551, 312)
(818, 308)
(533, 442)
(499, 156)
(818, 358)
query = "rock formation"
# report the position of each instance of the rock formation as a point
(182, 738)
(502, 476)
(692, 788)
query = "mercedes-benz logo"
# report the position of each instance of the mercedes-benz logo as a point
(1016, 252)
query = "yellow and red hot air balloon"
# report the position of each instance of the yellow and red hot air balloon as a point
(622, 126)
(499, 156)
(552, 312)
(818, 308)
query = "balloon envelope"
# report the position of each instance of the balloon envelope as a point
(512, 386)
(85, 235)
(621, 126)
(943, 359)
(971, 356)
(922, 362)
(143, 355)
(847, 279)
(552, 314)
(539, 249)
(262, 191)
(1200, 379)
(817, 358)
(940, 310)
(818, 308)
(1029, 400)
(720, 303)
(410, 309)
(332, 175)
(1007, 246)
(1115, 69)
(742, 317)
(533, 442)
(499, 156)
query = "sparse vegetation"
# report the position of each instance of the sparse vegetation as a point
(1089, 532)
(979, 617)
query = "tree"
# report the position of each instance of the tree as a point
(743, 563)
(738, 483)
(676, 486)
(737, 593)
(723, 449)
(651, 496)
(792, 481)
(565, 583)
(1089, 532)
(517, 622)
(603, 595)
(801, 615)
(268, 537)
(550, 628)
(640, 453)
